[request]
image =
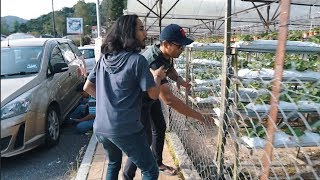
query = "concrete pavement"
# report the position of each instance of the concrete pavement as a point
(94, 163)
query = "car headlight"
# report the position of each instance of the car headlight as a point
(17, 106)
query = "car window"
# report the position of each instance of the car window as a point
(21, 59)
(67, 52)
(75, 49)
(88, 53)
(56, 57)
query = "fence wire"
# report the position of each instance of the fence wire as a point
(296, 146)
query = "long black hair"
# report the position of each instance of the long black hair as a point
(122, 35)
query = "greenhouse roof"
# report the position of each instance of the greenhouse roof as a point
(206, 17)
(294, 2)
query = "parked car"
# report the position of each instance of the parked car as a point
(39, 77)
(19, 36)
(89, 56)
(3, 37)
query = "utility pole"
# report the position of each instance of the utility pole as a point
(98, 19)
(53, 21)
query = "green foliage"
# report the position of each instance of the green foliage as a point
(300, 63)
(263, 99)
(245, 37)
(201, 94)
(4, 27)
(295, 35)
(105, 10)
(270, 35)
(81, 9)
(212, 39)
(16, 27)
(315, 39)
(294, 131)
(257, 130)
(207, 55)
(116, 9)
(44, 23)
(208, 74)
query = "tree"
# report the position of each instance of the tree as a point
(4, 27)
(104, 12)
(116, 9)
(81, 10)
(23, 28)
(16, 26)
(60, 24)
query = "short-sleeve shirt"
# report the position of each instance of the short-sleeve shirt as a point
(119, 94)
(154, 57)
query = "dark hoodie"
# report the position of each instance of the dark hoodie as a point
(120, 79)
(114, 62)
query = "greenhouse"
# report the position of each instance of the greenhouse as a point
(254, 68)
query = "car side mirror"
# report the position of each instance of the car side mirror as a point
(60, 67)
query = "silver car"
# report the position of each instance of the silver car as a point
(89, 56)
(39, 77)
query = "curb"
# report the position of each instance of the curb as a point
(186, 167)
(84, 168)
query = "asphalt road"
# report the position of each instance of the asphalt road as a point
(57, 163)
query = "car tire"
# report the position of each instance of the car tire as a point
(52, 127)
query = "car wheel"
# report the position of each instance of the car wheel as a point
(52, 127)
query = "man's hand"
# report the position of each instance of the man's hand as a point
(182, 82)
(160, 72)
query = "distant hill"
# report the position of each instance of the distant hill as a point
(11, 19)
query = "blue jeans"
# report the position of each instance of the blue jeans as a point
(84, 126)
(136, 147)
(130, 168)
(79, 112)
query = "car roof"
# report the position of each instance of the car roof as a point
(86, 47)
(29, 42)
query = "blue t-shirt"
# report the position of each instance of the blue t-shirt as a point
(92, 105)
(120, 79)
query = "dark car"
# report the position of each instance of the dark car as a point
(39, 77)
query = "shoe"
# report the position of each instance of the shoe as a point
(167, 170)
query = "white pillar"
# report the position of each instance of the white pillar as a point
(98, 19)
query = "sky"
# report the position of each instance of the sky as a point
(31, 9)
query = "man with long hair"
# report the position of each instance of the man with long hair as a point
(118, 81)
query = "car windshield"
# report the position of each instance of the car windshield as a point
(20, 60)
(88, 53)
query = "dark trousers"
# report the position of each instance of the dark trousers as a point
(150, 116)
(158, 125)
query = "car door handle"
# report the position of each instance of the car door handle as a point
(69, 73)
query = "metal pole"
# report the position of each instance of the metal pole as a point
(53, 20)
(160, 16)
(98, 19)
(81, 35)
(276, 87)
(225, 83)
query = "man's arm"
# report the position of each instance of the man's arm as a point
(171, 100)
(90, 88)
(173, 74)
(153, 92)
(158, 75)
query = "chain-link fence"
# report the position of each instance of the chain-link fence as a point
(296, 145)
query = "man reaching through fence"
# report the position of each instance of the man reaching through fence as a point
(172, 42)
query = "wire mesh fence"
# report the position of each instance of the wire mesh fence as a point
(296, 145)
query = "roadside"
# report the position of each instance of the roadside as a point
(94, 163)
(55, 163)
